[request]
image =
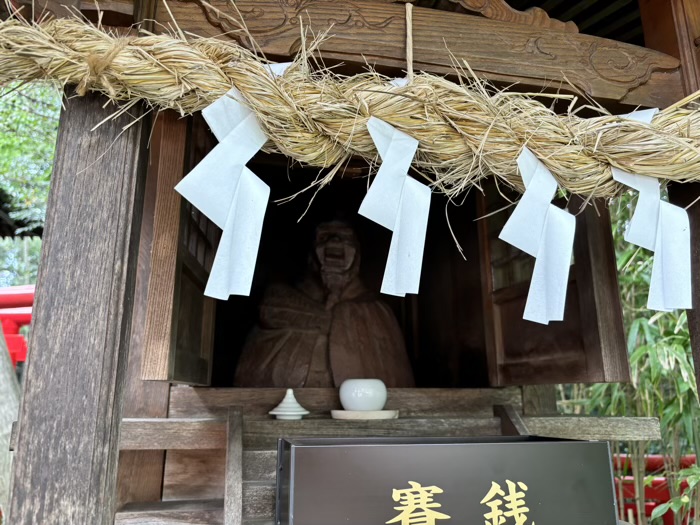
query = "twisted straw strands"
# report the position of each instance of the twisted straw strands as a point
(466, 131)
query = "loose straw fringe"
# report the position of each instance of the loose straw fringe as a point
(467, 131)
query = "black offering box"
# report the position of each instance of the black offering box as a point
(492, 481)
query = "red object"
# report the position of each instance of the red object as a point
(656, 493)
(16, 312)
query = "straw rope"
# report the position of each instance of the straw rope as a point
(466, 131)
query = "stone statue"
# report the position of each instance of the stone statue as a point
(326, 329)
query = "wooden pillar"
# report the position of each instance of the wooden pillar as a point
(673, 26)
(141, 471)
(9, 405)
(65, 464)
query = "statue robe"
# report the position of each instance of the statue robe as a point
(298, 342)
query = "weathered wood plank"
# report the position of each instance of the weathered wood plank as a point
(159, 333)
(202, 512)
(233, 489)
(583, 427)
(141, 472)
(258, 509)
(263, 434)
(210, 433)
(186, 401)
(65, 464)
(172, 434)
(364, 31)
(199, 474)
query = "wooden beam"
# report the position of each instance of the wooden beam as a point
(173, 434)
(186, 401)
(374, 32)
(115, 13)
(210, 433)
(585, 427)
(65, 464)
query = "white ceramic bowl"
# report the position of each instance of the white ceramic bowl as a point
(363, 394)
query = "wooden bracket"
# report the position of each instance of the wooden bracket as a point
(511, 422)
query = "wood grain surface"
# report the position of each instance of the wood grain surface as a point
(169, 166)
(141, 472)
(65, 464)
(365, 32)
(186, 401)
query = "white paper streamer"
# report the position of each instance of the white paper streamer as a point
(547, 296)
(641, 230)
(546, 232)
(642, 115)
(399, 203)
(670, 286)
(231, 195)
(525, 226)
(278, 69)
(664, 229)
(405, 260)
(399, 82)
(396, 149)
(234, 264)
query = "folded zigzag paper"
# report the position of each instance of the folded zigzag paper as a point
(400, 204)
(232, 196)
(664, 229)
(546, 232)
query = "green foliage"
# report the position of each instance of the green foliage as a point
(28, 130)
(663, 380)
(19, 260)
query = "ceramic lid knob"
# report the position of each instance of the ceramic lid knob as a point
(289, 408)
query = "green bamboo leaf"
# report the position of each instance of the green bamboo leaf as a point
(659, 511)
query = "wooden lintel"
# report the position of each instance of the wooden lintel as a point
(373, 32)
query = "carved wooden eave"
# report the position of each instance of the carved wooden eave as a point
(374, 32)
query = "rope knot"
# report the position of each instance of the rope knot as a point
(96, 65)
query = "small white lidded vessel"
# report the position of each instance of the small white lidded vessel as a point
(289, 409)
(363, 394)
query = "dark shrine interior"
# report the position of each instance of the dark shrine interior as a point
(442, 326)
(449, 328)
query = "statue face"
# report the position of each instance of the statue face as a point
(336, 247)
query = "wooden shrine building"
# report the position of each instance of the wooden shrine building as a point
(129, 415)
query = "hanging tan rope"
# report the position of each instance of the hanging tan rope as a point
(467, 131)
